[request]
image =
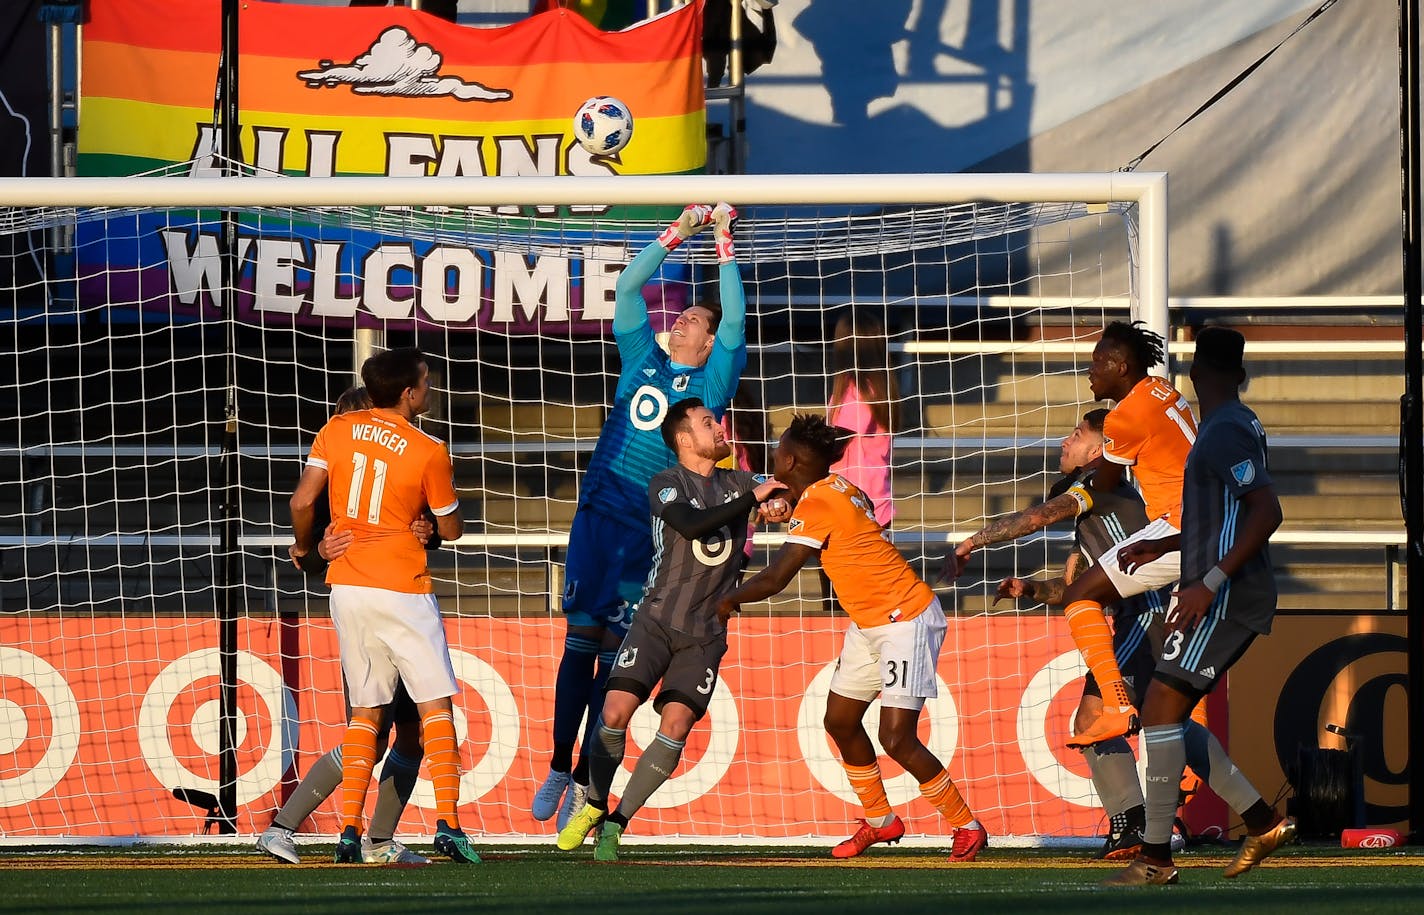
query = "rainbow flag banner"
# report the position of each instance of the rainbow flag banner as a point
(368, 91)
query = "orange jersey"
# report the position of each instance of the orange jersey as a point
(1151, 430)
(873, 581)
(381, 474)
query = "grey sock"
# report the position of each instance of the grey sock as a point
(1166, 760)
(605, 756)
(1221, 773)
(398, 777)
(321, 779)
(655, 766)
(1114, 775)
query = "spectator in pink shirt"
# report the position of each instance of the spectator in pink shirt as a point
(865, 399)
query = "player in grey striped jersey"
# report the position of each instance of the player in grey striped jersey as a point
(1226, 597)
(1101, 520)
(699, 515)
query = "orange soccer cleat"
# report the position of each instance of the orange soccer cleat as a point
(868, 835)
(1114, 722)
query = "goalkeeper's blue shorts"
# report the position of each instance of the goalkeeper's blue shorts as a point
(604, 573)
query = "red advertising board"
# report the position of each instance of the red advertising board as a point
(106, 717)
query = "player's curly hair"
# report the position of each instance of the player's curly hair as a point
(818, 438)
(1143, 347)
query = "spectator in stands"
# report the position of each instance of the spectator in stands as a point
(864, 399)
(758, 44)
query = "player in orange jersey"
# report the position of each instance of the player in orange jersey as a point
(1150, 430)
(402, 765)
(382, 472)
(892, 647)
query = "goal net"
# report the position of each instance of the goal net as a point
(161, 387)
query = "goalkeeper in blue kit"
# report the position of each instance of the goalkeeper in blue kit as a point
(610, 545)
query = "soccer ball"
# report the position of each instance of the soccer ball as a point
(603, 125)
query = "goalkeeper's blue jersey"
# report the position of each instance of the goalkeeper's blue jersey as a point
(630, 447)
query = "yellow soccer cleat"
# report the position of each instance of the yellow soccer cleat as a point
(579, 826)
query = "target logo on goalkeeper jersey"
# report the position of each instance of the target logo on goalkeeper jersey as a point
(647, 408)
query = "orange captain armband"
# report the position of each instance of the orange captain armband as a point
(1082, 495)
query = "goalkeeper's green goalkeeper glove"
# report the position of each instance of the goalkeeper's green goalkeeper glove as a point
(694, 219)
(723, 216)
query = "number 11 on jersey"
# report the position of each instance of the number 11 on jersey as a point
(358, 479)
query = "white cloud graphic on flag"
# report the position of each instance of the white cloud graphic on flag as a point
(397, 64)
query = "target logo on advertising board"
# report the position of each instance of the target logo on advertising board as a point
(123, 735)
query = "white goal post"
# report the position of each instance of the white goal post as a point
(118, 365)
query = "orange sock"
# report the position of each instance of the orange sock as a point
(442, 756)
(1199, 713)
(1094, 639)
(870, 789)
(358, 758)
(940, 792)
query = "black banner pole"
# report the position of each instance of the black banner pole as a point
(1411, 433)
(231, 151)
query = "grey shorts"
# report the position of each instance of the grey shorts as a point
(1200, 657)
(686, 665)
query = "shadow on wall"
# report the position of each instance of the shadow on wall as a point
(888, 72)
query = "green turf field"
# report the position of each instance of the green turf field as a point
(657, 879)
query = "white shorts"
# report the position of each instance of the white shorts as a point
(1158, 573)
(897, 661)
(389, 635)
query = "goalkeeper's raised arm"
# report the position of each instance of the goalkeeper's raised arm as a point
(704, 334)
(611, 542)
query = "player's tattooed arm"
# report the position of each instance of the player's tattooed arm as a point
(1020, 524)
(1010, 527)
(1050, 592)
